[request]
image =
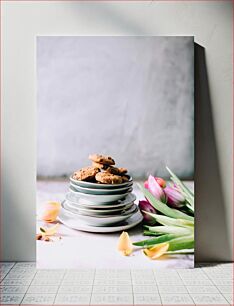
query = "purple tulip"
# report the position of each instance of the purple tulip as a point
(146, 206)
(174, 198)
(156, 189)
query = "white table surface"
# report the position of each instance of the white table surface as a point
(83, 250)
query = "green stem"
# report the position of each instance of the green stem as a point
(153, 241)
(149, 233)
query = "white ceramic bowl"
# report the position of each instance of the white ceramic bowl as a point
(99, 199)
(76, 200)
(104, 220)
(79, 209)
(101, 191)
(100, 186)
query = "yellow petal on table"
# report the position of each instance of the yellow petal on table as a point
(124, 244)
(51, 211)
(49, 231)
(156, 251)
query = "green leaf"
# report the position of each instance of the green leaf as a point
(42, 230)
(153, 241)
(186, 189)
(163, 208)
(176, 230)
(171, 221)
(149, 233)
(189, 207)
(181, 243)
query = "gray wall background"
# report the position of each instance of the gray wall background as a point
(210, 22)
(129, 97)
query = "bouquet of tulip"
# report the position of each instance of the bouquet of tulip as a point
(168, 213)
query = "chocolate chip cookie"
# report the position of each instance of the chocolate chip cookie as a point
(106, 168)
(110, 169)
(125, 178)
(122, 171)
(99, 166)
(102, 159)
(108, 178)
(86, 174)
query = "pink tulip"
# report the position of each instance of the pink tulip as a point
(146, 206)
(159, 180)
(146, 185)
(174, 198)
(155, 189)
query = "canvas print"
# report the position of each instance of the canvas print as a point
(115, 152)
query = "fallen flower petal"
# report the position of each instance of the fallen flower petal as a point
(156, 251)
(51, 211)
(125, 245)
(49, 231)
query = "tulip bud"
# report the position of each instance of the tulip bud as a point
(159, 180)
(146, 185)
(155, 189)
(146, 206)
(174, 198)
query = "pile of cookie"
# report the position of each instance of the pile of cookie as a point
(102, 170)
(100, 198)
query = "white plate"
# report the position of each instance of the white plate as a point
(102, 220)
(101, 191)
(99, 199)
(82, 226)
(75, 199)
(100, 186)
(95, 212)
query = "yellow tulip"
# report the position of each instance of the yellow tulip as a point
(51, 211)
(49, 231)
(156, 251)
(125, 245)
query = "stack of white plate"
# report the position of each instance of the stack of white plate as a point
(100, 208)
